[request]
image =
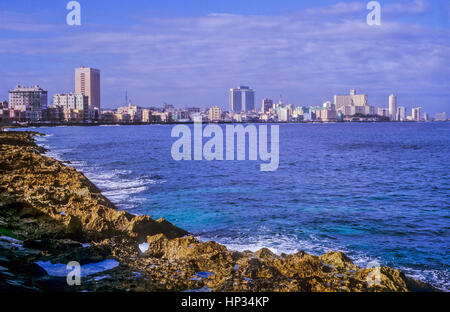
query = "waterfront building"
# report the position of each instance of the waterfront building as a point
(360, 110)
(71, 101)
(107, 116)
(168, 107)
(237, 117)
(416, 113)
(353, 99)
(162, 116)
(283, 114)
(329, 105)
(440, 116)
(215, 113)
(19, 116)
(383, 112)
(393, 107)
(181, 116)
(54, 114)
(353, 104)
(133, 111)
(4, 112)
(401, 113)
(193, 110)
(242, 99)
(267, 104)
(32, 101)
(87, 82)
(298, 111)
(328, 113)
(122, 117)
(197, 117)
(146, 115)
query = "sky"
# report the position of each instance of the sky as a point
(191, 52)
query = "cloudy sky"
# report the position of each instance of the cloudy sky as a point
(190, 52)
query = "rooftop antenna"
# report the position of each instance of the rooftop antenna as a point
(126, 97)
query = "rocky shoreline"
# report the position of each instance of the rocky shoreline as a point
(49, 212)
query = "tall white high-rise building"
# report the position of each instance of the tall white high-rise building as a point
(242, 99)
(401, 113)
(87, 82)
(393, 107)
(416, 113)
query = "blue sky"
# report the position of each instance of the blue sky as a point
(189, 53)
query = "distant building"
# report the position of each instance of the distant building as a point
(181, 115)
(283, 114)
(267, 104)
(392, 107)
(352, 99)
(4, 112)
(71, 101)
(358, 110)
(440, 116)
(168, 107)
(31, 101)
(353, 104)
(197, 117)
(193, 110)
(74, 107)
(416, 113)
(134, 113)
(383, 112)
(146, 115)
(162, 117)
(242, 99)
(327, 113)
(215, 113)
(401, 113)
(108, 116)
(87, 82)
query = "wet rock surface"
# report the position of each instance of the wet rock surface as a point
(51, 212)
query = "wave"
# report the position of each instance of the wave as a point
(290, 244)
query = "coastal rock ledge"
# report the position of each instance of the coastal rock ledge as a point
(51, 213)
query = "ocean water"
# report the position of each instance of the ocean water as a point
(376, 191)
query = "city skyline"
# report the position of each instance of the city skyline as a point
(192, 58)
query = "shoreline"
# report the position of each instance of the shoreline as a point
(56, 214)
(96, 124)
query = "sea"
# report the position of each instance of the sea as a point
(379, 192)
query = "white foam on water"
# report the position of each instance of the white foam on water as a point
(439, 279)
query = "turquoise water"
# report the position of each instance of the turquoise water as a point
(376, 191)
